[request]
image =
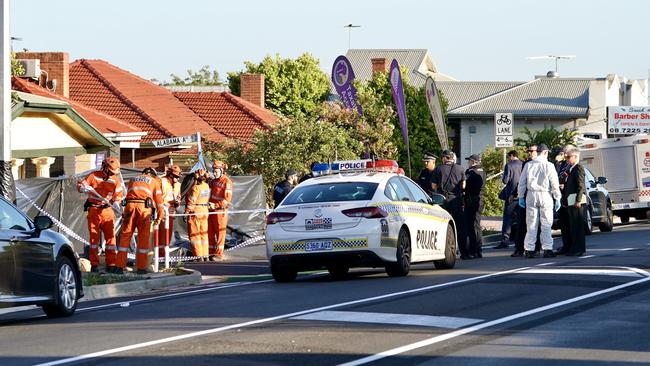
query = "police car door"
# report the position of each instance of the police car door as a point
(407, 213)
(430, 232)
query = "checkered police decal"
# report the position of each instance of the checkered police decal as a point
(336, 244)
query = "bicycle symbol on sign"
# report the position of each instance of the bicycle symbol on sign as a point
(504, 119)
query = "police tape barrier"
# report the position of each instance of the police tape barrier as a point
(220, 212)
(176, 259)
(56, 222)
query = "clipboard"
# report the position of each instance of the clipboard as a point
(571, 199)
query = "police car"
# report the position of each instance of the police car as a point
(358, 213)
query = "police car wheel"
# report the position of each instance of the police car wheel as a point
(589, 226)
(283, 273)
(450, 251)
(338, 271)
(403, 264)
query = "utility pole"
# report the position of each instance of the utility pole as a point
(6, 178)
(349, 27)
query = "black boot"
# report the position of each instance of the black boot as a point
(529, 254)
(548, 253)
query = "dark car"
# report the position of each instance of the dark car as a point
(599, 205)
(37, 266)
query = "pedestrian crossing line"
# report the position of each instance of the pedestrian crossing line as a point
(390, 318)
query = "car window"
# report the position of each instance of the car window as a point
(331, 192)
(396, 191)
(11, 218)
(416, 191)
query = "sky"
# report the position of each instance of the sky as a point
(467, 39)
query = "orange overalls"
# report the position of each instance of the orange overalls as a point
(171, 192)
(197, 225)
(101, 218)
(137, 216)
(221, 196)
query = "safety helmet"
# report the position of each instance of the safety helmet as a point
(218, 164)
(111, 164)
(150, 171)
(174, 170)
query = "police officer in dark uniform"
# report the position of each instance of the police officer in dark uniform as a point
(448, 179)
(283, 188)
(424, 179)
(474, 205)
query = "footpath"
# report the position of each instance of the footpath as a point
(242, 264)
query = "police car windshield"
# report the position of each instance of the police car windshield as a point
(331, 192)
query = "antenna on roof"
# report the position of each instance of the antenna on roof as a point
(567, 57)
(349, 27)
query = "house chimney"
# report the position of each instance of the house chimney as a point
(57, 66)
(378, 65)
(252, 88)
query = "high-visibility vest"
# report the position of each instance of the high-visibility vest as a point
(109, 187)
(171, 191)
(221, 192)
(145, 186)
(198, 196)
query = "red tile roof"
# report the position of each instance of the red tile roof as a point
(103, 122)
(231, 115)
(137, 101)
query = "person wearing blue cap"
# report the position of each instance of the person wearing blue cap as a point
(539, 184)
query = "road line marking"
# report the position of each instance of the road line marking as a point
(576, 271)
(388, 318)
(587, 256)
(627, 249)
(474, 328)
(546, 264)
(270, 319)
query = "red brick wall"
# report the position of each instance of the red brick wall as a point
(252, 88)
(378, 65)
(57, 66)
(144, 158)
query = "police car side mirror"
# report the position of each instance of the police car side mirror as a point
(437, 199)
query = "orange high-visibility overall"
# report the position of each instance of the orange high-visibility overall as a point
(101, 218)
(171, 192)
(197, 225)
(137, 216)
(220, 196)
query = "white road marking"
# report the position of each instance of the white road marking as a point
(627, 249)
(387, 318)
(546, 264)
(18, 309)
(270, 319)
(580, 271)
(474, 328)
(587, 256)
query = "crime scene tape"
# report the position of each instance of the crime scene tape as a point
(244, 243)
(221, 212)
(56, 222)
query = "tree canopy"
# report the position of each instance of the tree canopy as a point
(203, 77)
(293, 87)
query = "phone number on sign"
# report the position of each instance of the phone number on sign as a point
(630, 130)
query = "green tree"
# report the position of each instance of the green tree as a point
(203, 77)
(376, 94)
(291, 144)
(293, 87)
(16, 68)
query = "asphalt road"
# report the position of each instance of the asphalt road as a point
(593, 310)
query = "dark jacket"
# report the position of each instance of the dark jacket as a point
(511, 175)
(449, 178)
(280, 191)
(424, 180)
(475, 186)
(575, 183)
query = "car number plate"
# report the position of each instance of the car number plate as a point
(318, 245)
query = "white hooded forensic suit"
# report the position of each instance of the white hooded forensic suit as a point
(539, 184)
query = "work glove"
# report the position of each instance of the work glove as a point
(522, 202)
(557, 205)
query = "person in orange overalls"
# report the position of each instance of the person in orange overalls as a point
(104, 189)
(196, 205)
(220, 198)
(142, 193)
(171, 191)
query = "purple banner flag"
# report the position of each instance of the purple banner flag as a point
(398, 97)
(433, 101)
(342, 76)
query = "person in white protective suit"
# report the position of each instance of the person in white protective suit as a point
(540, 186)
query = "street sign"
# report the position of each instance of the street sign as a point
(177, 140)
(503, 129)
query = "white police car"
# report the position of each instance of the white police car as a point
(358, 213)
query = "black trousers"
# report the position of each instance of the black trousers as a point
(522, 229)
(473, 208)
(455, 208)
(576, 222)
(563, 217)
